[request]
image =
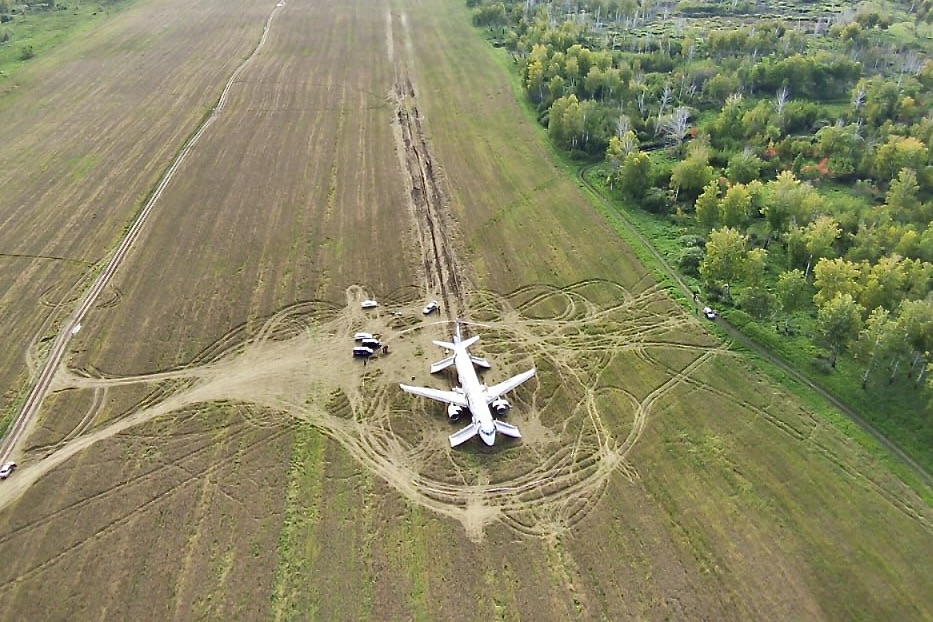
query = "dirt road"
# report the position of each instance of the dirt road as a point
(24, 419)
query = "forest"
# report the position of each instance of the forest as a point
(786, 147)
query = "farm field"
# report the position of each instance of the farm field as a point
(209, 449)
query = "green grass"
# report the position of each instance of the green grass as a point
(40, 31)
(299, 544)
(892, 410)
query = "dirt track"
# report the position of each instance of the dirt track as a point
(436, 230)
(219, 461)
(24, 419)
(558, 482)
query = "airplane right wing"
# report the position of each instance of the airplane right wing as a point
(493, 392)
(448, 397)
(507, 428)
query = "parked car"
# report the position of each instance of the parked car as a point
(369, 304)
(430, 308)
(709, 313)
(7, 469)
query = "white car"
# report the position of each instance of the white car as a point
(430, 308)
(709, 313)
(369, 304)
(7, 469)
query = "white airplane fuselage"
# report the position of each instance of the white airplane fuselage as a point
(472, 394)
(474, 391)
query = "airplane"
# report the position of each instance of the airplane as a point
(472, 396)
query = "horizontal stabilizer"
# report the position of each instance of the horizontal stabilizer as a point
(458, 438)
(479, 362)
(453, 346)
(444, 364)
(507, 429)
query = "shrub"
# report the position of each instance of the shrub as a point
(689, 260)
(655, 201)
(688, 241)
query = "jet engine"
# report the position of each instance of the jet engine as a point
(501, 407)
(454, 411)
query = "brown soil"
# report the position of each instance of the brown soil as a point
(211, 449)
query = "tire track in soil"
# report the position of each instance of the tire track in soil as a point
(24, 420)
(435, 227)
(562, 471)
(140, 478)
(192, 478)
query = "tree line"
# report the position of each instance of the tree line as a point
(796, 149)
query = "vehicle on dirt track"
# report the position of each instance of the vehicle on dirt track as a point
(709, 313)
(363, 351)
(7, 469)
(430, 308)
(369, 304)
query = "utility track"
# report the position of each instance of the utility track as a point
(60, 344)
(435, 225)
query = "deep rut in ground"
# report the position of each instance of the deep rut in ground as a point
(435, 226)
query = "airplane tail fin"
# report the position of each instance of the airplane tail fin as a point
(458, 438)
(442, 364)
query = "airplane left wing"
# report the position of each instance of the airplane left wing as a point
(448, 397)
(462, 436)
(493, 392)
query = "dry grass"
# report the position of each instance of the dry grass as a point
(211, 451)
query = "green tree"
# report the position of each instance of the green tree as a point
(566, 121)
(819, 237)
(877, 341)
(753, 272)
(792, 293)
(832, 277)
(902, 199)
(735, 205)
(788, 201)
(839, 321)
(707, 206)
(883, 284)
(915, 319)
(725, 257)
(897, 153)
(690, 176)
(744, 167)
(919, 278)
(842, 145)
(635, 176)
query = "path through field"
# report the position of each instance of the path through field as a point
(206, 446)
(293, 353)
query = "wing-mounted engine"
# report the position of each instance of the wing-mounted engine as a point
(454, 412)
(501, 407)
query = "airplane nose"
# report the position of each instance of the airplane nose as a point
(488, 437)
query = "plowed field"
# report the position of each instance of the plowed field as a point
(207, 447)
